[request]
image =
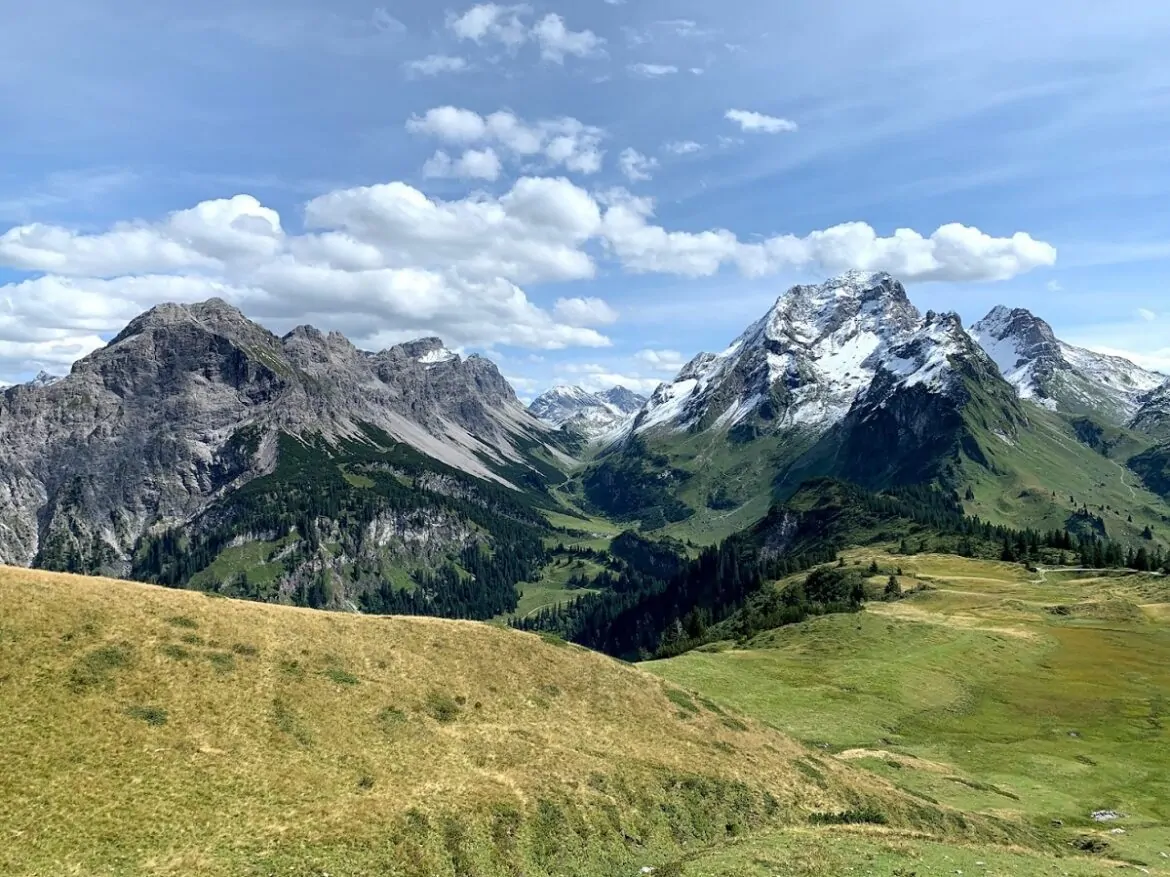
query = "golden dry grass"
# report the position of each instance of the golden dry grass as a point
(151, 731)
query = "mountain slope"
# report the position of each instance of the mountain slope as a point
(162, 432)
(1060, 376)
(589, 414)
(844, 378)
(156, 731)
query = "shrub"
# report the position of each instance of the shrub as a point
(867, 815)
(245, 650)
(183, 621)
(442, 707)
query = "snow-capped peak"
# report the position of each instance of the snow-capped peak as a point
(801, 365)
(1058, 375)
(591, 414)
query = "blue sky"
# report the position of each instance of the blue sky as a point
(590, 191)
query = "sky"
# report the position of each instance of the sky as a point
(587, 191)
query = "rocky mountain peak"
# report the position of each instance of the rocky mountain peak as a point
(1058, 375)
(590, 414)
(627, 401)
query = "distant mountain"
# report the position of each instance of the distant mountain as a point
(589, 414)
(196, 432)
(799, 367)
(847, 379)
(1060, 376)
(844, 378)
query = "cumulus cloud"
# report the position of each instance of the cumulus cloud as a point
(683, 147)
(474, 164)
(643, 69)
(636, 166)
(953, 252)
(565, 142)
(661, 360)
(433, 65)
(387, 262)
(597, 378)
(556, 40)
(753, 122)
(1157, 360)
(491, 22)
(584, 312)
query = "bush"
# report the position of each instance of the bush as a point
(442, 707)
(183, 621)
(341, 677)
(867, 815)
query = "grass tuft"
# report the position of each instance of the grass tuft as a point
(152, 715)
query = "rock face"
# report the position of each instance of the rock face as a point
(1060, 376)
(1153, 414)
(186, 404)
(589, 414)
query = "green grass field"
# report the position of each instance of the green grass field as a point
(1044, 697)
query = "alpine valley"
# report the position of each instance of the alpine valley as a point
(199, 450)
(898, 587)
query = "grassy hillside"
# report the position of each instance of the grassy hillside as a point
(155, 731)
(1040, 695)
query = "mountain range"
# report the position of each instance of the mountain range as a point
(592, 415)
(199, 449)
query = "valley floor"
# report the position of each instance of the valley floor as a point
(1044, 696)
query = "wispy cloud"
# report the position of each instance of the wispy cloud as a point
(433, 65)
(652, 70)
(754, 122)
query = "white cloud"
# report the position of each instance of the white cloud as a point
(200, 238)
(556, 40)
(584, 312)
(474, 164)
(490, 21)
(1147, 315)
(683, 147)
(433, 65)
(636, 166)
(564, 142)
(757, 122)
(1155, 360)
(387, 262)
(662, 360)
(1054, 286)
(596, 378)
(449, 124)
(953, 252)
(643, 69)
